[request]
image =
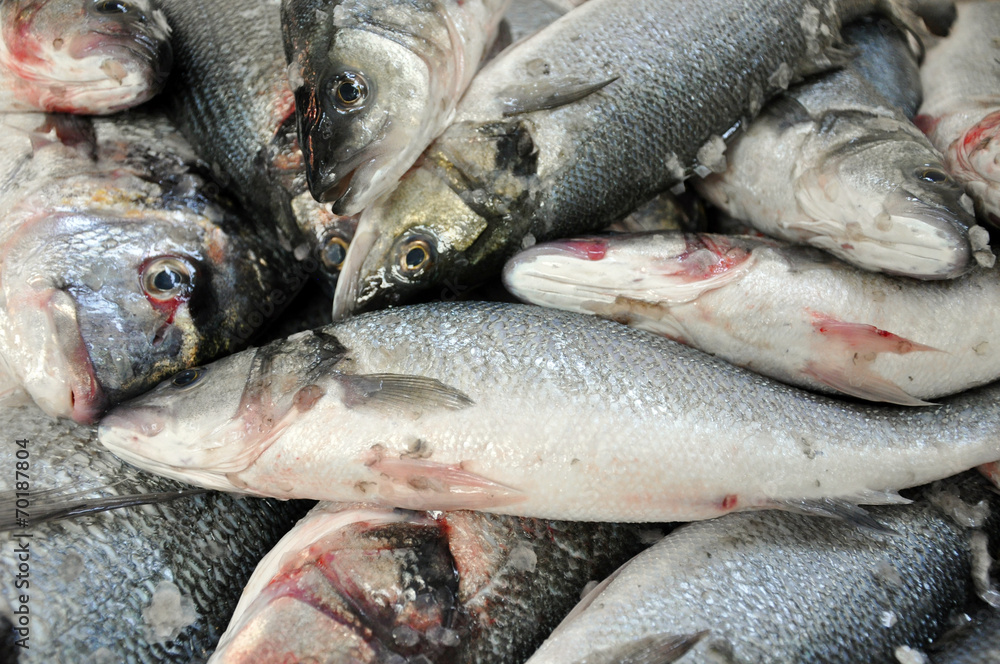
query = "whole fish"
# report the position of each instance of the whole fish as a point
(961, 109)
(576, 126)
(231, 97)
(523, 410)
(787, 312)
(835, 163)
(378, 81)
(141, 584)
(368, 584)
(81, 56)
(774, 587)
(121, 262)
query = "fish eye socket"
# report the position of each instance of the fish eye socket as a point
(188, 377)
(335, 252)
(112, 7)
(167, 278)
(349, 91)
(415, 256)
(932, 175)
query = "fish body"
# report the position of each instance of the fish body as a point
(579, 124)
(777, 587)
(835, 163)
(380, 79)
(787, 312)
(81, 56)
(147, 584)
(976, 643)
(523, 410)
(961, 109)
(372, 584)
(122, 262)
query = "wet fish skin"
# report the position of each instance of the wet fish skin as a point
(387, 584)
(514, 409)
(767, 306)
(528, 157)
(778, 587)
(81, 56)
(961, 109)
(835, 163)
(112, 564)
(380, 80)
(123, 262)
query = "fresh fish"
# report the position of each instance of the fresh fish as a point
(81, 56)
(231, 97)
(836, 164)
(380, 80)
(140, 584)
(961, 109)
(122, 262)
(363, 583)
(523, 410)
(576, 126)
(775, 587)
(787, 312)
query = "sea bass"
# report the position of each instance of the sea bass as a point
(835, 163)
(774, 587)
(515, 409)
(363, 583)
(576, 126)
(81, 56)
(231, 97)
(961, 109)
(141, 584)
(378, 81)
(787, 312)
(120, 260)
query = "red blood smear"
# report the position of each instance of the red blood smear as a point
(593, 250)
(926, 123)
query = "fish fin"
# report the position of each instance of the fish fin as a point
(529, 99)
(401, 392)
(903, 15)
(837, 508)
(788, 111)
(865, 338)
(55, 504)
(420, 484)
(880, 497)
(858, 381)
(653, 649)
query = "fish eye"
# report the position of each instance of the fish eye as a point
(112, 7)
(931, 174)
(335, 252)
(188, 377)
(348, 91)
(415, 256)
(167, 278)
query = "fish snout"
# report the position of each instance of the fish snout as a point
(134, 424)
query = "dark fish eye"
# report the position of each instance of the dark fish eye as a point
(415, 255)
(188, 377)
(350, 90)
(112, 7)
(931, 174)
(167, 277)
(335, 252)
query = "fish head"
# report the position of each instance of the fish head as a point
(889, 200)
(974, 158)
(118, 303)
(416, 237)
(87, 56)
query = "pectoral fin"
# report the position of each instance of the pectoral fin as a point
(401, 392)
(420, 484)
(553, 94)
(835, 508)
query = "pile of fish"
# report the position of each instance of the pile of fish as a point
(262, 271)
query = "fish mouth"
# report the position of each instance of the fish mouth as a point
(974, 159)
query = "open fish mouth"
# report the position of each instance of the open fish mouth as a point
(974, 158)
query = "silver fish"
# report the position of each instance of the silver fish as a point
(576, 126)
(523, 410)
(363, 583)
(836, 164)
(961, 109)
(81, 56)
(122, 262)
(769, 307)
(783, 588)
(139, 584)
(378, 81)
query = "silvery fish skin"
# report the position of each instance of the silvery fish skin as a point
(777, 587)
(576, 126)
(523, 410)
(836, 164)
(81, 56)
(122, 261)
(961, 109)
(380, 79)
(363, 583)
(787, 312)
(101, 587)
(231, 97)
